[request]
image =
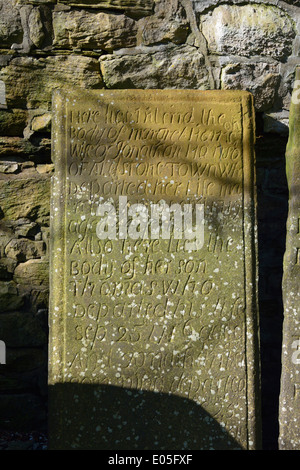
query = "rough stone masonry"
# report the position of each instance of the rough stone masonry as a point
(289, 411)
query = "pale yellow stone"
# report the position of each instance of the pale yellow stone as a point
(42, 122)
(153, 334)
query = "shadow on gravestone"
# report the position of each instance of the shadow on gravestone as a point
(105, 417)
(221, 332)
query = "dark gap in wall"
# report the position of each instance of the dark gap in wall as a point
(272, 205)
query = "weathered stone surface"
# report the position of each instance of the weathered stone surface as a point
(12, 122)
(30, 81)
(36, 27)
(248, 30)
(32, 273)
(41, 123)
(90, 30)
(289, 409)
(5, 237)
(137, 7)
(32, 278)
(26, 44)
(47, 168)
(261, 79)
(10, 299)
(25, 195)
(10, 23)
(24, 228)
(29, 31)
(38, 297)
(5, 57)
(153, 332)
(169, 23)
(7, 266)
(22, 249)
(169, 67)
(38, 149)
(7, 166)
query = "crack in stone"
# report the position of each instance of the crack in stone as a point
(201, 42)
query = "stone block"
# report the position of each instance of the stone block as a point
(10, 23)
(32, 273)
(289, 406)
(161, 67)
(249, 30)
(22, 249)
(168, 24)
(92, 30)
(7, 266)
(25, 195)
(10, 298)
(30, 81)
(12, 122)
(133, 7)
(261, 79)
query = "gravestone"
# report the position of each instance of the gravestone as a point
(153, 311)
(289, 406)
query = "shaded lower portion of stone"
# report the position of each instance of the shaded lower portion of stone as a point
(105, 417)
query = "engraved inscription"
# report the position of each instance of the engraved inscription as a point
(149, 314)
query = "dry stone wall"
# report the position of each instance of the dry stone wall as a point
(94, 44)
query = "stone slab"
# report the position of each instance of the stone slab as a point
(289, 406)
(134, 7)
(153, 343)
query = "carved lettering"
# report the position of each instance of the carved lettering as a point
(148, 314)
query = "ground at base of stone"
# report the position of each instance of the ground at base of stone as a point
(10, 440)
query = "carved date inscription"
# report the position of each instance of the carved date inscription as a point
(148, 314)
